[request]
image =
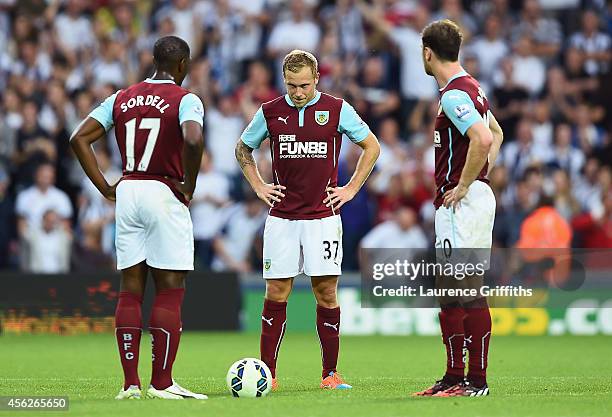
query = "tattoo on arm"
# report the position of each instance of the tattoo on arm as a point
(244, 154)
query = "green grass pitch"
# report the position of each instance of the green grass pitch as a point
(528, 376)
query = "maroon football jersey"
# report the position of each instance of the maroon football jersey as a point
(450, 144)
(304, 158)
(146, 119)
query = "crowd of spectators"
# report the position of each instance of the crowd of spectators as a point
(544, 65)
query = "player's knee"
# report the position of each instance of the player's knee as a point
(278, 291)
(132, 286)
(326, 295)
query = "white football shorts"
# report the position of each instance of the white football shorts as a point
(468, 227)
(152, 225)
(295, 246)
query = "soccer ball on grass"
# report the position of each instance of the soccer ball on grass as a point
(249, 378)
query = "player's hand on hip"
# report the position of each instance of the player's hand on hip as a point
(270, 193)
(338, 196)
(452, 198)
(182, 188)
(111, 192)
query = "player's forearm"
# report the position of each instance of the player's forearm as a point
(494, 151)
(87, 158)
(193, 146)
(192, 158)
(498, 138)
(475, 160)
(244, 156)
(365, 164)
(84, 136)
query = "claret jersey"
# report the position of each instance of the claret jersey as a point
(147, 117)
(462, 103)
(305, 145)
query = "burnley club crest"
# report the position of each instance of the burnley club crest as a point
(322, 117)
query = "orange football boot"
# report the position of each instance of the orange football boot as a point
(334, 381)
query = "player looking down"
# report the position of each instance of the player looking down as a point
(303, 232)
(158, 126)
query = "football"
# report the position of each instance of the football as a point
(249, 378)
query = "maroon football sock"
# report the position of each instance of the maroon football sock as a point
(451, 323)
(128, 329)
(273, 320)
(165, 327)
(328, 329)
(477, 325)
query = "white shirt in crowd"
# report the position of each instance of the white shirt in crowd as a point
(48, 252)
(32, 204)
(184, 21)
(390, 235)
(598, 42)
(542, 137)
(108, 72)
(218, 129)
(488, 54)
(288, 35)
(567, 158)
(208, 218)
(529, 72)
(240, 231)
(74, 33)
(415, 83)
(249, 34)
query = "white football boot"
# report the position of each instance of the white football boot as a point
(174, 392)
(131, 393)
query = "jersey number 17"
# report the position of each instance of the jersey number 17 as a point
(152, 124)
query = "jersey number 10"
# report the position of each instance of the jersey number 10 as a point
(130, 136)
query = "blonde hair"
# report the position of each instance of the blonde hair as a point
(296, 60)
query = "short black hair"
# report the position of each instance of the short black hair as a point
(444, 37)
(170, 50)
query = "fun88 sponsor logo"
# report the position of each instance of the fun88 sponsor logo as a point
(289, 147)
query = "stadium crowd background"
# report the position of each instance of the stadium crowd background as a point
(544, 65)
